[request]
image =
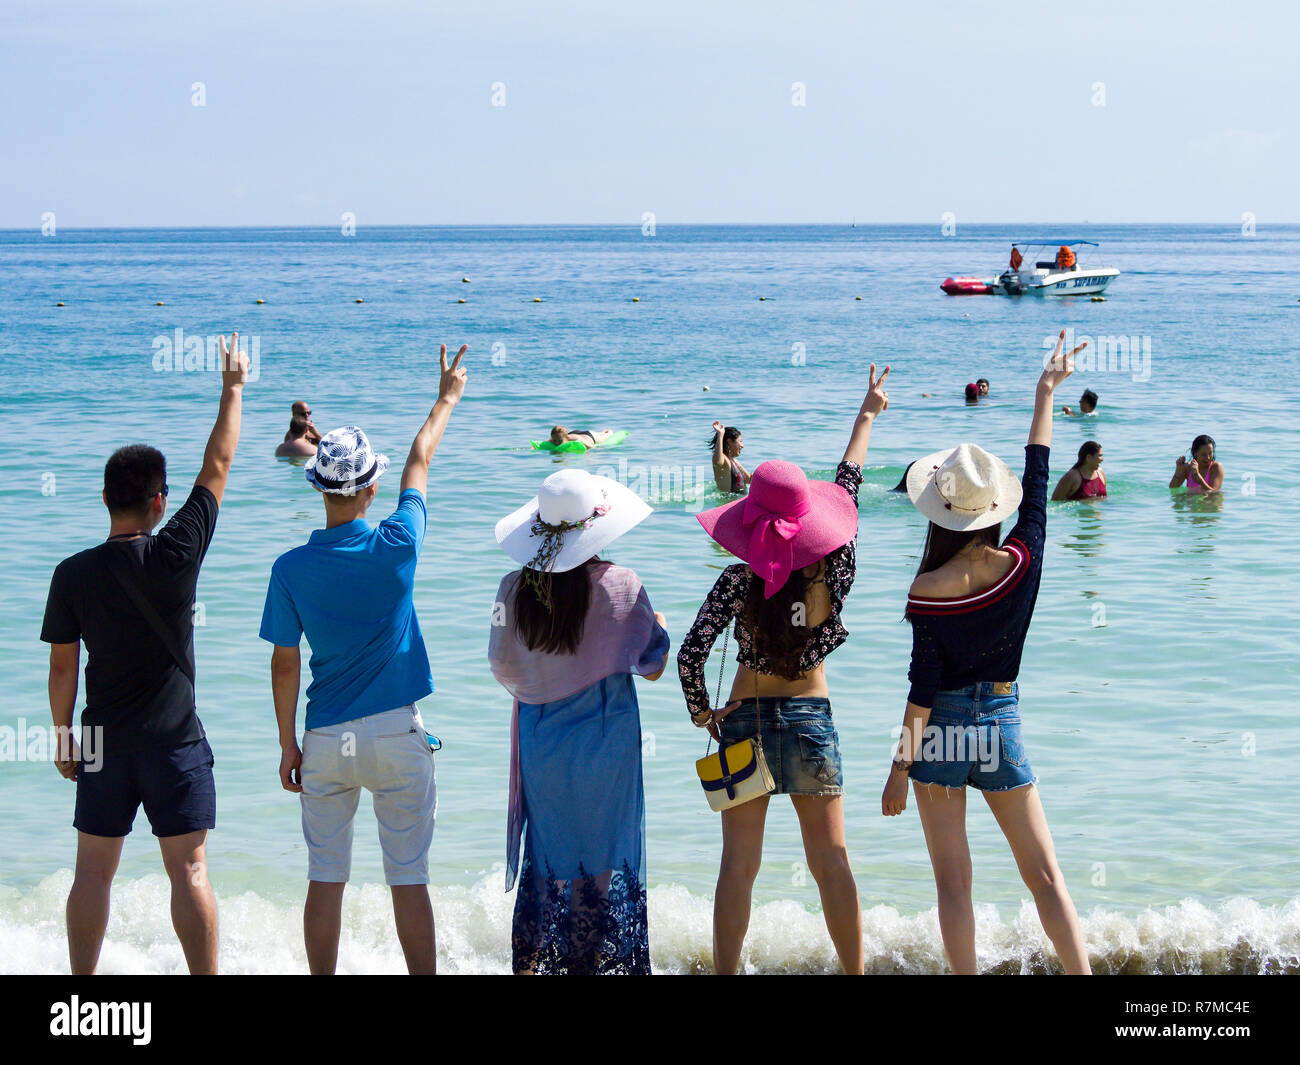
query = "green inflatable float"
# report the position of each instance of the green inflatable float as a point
(576, 447)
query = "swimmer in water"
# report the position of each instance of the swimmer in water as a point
(983, 385)
(728, 474)
(561, 435)
(902, 483)
(301, 408)
(1087, 404)
(972, 393)
(1203, 473)
(1085, 479)
(298, 440)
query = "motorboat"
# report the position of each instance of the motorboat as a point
(1040, 268)
(1040, 272)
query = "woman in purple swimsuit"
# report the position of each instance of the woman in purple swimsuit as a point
(1085, 479)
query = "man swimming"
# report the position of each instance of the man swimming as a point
(1087, 404)
(298, 440)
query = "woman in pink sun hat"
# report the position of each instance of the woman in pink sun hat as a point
(795, 539)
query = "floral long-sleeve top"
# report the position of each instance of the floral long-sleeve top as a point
(726, 601)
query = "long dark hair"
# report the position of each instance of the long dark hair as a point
(942, 544)
(557, 630)
(771, 623)
(729, 436)
(1200, 441)
(1089, 447)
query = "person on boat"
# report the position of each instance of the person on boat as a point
(561, 435)
(1085, 479)
(1016, 258)
(972, 392)
(1203, 473)
(569, 633)
(970, 607)
(1087, 404)
(726, 445)
(298, 440)
(795, 539)
(983, 385)
(1065, 257)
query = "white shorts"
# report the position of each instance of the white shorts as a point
(388, 755)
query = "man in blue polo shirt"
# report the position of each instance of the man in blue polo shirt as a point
(349, 590)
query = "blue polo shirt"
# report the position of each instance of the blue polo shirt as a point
(348, 589)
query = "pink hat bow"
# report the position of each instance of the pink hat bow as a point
(770, 534)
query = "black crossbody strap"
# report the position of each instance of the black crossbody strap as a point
(116, 565)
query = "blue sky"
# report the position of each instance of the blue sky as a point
(612, 110)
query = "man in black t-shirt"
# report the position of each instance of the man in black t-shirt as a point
(130, 600)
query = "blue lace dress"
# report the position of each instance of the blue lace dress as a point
(580, 906)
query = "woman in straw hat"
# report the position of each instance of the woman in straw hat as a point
(970, 607)
(568, 632)
(795, 538)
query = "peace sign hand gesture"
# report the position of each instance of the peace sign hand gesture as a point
(451, 380)
(1057, 367)
(877, 399)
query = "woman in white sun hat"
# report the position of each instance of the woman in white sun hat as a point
(569, 631)
(970, 607)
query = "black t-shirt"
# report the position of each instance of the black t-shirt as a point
(134, 688)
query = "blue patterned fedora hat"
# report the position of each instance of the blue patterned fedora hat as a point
(344, 462)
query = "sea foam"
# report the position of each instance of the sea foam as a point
(260, 936)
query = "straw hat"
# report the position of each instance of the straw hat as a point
(786, 522)
(574, 516)
(964, 488)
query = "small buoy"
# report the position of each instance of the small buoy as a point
(464, 280)
(537, 299)
(260, 301)
(58, 305)
(159, 303)
(636, 299)
(858, 298)
(1098, 299)
(460, 301)
(761, 299)
(359, 300)
(706, 388)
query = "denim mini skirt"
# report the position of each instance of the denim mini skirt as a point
(799, 741)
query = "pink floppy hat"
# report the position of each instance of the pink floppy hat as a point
(786, 522)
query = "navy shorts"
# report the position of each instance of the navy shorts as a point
(174, 783)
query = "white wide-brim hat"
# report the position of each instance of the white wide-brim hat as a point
(575, 515)
(964, 488)
(344, 462)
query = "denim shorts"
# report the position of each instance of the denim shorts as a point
(175, 784)
(973, 737)
(799, 741)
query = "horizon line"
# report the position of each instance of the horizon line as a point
(1230, 224)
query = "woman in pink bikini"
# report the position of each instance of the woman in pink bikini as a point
(1085, 479)
(1204, 473)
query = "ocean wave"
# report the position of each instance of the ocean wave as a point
(1238, 936)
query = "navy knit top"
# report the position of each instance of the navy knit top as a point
(973, 638)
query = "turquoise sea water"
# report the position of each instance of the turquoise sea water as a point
(1158, 678)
